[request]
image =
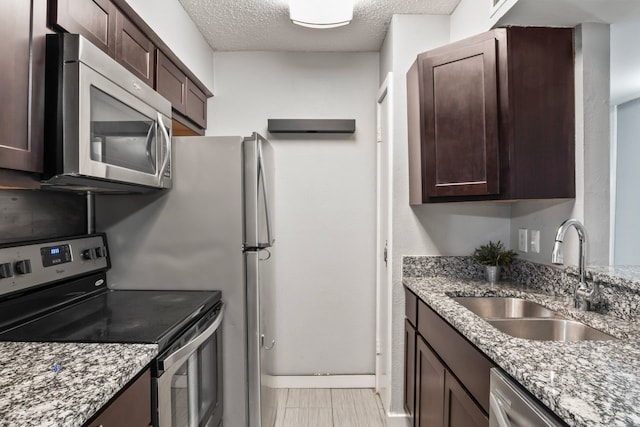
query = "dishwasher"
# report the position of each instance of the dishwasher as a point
(511, 406)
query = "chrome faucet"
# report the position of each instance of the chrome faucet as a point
(583, 295)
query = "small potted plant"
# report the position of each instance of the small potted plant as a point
(493, 256)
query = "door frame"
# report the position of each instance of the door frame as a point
(383, 282)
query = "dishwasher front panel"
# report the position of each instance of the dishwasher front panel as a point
(512, 406)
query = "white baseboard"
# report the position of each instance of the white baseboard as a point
(320, 381)
(398, 420)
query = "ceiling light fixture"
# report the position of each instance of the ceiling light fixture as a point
(321, 13)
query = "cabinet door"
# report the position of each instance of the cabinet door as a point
(93, 19)
(409, 368)
(134, 50)
(171, 83)
(132, 408)
(22, 89)
(430, 377)
(461, 121)
(196, 104)
(460, 410)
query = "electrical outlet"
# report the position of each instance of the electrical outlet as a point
(523, 241)
(535, 241)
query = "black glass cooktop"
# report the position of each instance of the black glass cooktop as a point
(119, 316)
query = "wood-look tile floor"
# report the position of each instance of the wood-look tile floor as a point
(329, 408)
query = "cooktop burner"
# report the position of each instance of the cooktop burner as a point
(119, 316)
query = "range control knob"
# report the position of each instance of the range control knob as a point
(89, 254)
(6, 270)
(101, 252)
(23, 266)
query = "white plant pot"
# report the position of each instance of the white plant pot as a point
(493, 273)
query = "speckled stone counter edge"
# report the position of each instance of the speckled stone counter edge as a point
(619, 296)
(588, 383)
(89, 375)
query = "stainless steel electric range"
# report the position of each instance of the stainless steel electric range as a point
(56, 291)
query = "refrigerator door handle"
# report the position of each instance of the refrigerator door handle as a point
(266, 347)
(262, 178)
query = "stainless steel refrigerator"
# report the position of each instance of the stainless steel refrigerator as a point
(213, 230)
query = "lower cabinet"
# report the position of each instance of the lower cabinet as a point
(409, 368)
(131, 408)
(429, 381)
(446, 377)
(459, 408)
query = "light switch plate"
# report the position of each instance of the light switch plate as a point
(523, 241)
(535, 241)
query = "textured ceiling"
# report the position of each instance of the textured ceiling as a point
(265, 25)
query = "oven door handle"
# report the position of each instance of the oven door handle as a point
(184, 352)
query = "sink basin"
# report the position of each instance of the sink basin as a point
(548, 329)
(501, 307)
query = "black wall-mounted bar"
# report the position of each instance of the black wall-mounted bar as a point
(312, 125)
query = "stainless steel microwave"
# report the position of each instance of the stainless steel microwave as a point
(106, 130)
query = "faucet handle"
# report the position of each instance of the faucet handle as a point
(585, 297)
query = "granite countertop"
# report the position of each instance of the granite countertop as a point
(587, 383)
(89, 375)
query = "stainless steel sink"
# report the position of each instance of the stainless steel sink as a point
(521, 318)
(548, 329)
(502, 307)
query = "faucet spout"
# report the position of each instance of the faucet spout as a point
(557, 255)
(583, 295)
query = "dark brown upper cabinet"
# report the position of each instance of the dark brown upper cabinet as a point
(492, 118)
(134, 49)
(94, 19)
(22, 28)
(187, 99)
(115, 27)
(196, 104)
(172, 83)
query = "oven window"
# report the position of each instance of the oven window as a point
(196, 393)
(180, 398)
(208, 399)
(120, 135)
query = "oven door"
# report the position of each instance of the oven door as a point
(188, 384)
(119, 136)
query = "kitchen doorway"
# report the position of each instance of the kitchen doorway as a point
(384, 134)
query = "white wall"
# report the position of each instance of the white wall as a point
(627, 232)
(444, 229)
(625, 86)
(324, 201)
(470, 17)
(172, 24)
(625, 59)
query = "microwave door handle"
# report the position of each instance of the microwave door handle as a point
(149, 141)
(185, 351)
(167, 155)
(262, 177)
